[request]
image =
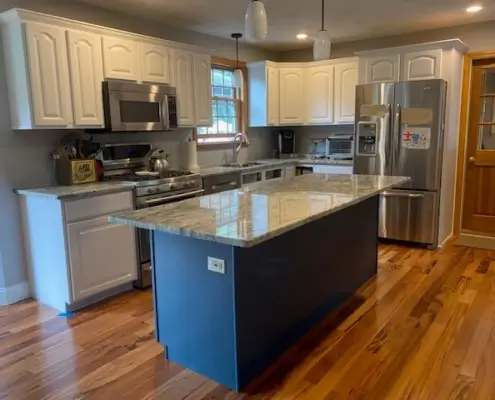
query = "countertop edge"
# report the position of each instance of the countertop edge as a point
(72, 196)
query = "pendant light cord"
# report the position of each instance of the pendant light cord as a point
(237, 51)
(322, 15)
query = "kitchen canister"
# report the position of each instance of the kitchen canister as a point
(191, 156)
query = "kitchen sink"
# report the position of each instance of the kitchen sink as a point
(236, 165)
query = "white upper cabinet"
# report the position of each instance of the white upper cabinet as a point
(419, 65)
(182, 78)
(320, 87)
(202, 87)
(90, 272)
(49, 75)
(155, 63)
(273, 96)
(120, 58)
(292, 99)
(86, 76)
(346, 79)
(379, 69)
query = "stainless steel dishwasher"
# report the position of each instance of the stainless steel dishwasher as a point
(221, 183)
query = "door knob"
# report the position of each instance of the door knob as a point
(472, 160)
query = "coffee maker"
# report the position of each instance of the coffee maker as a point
(286, 145)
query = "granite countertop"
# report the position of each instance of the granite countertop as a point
(269, 163)
(258, 212)
(77, 191)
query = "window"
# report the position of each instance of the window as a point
(227, 107)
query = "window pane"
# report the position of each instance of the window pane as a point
(489, 81)
(217, 77)
(232, 125)
(231, 110)
(214, 108)
(202, 131)
(229, 93)
(222, 108)
(227, 78)
(217, 91)
(486, 139)
(214, 128)
(487, 113)
(222, 125)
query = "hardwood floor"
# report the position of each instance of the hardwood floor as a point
(423, 328)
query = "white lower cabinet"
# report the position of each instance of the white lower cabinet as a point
(333, 169)
(75, 256)
(102, 255)
(290, 171)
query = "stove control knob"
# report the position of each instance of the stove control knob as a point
(149, 191)
(172, 187)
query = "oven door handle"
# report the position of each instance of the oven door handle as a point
(176, 197)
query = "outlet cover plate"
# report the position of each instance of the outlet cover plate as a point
(216, 265)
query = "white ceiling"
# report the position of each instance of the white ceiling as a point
(346, 20)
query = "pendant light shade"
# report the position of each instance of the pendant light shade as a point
(237, 78)
(256, 21)
(322, 45)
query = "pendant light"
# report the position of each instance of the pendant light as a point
(237, 79)
(322, 45)
(256, 21)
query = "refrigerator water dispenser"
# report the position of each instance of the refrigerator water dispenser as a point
(366, 134)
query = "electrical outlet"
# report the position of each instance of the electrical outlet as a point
(216, 265)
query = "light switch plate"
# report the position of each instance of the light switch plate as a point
(216, 265)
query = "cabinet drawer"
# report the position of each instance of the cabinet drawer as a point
(78, 210)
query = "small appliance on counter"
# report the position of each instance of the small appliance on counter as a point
(339, 146)
(286, 143)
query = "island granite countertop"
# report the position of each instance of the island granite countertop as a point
(258, 212)
(65, 192)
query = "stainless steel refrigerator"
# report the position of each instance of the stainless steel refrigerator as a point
(399, 131)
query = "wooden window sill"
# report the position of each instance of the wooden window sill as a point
(217, 146)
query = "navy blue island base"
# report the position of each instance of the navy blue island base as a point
(230, 327)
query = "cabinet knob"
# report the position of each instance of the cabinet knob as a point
(472, 160)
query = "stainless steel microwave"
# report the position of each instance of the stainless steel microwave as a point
(135, 107)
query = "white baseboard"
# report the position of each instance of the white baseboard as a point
(13, 294)
(470, 240)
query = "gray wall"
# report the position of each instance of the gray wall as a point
(478, 37)
(24, 155)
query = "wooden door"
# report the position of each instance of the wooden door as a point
(92, 273)
(86, 75)
(479, 192)
(272, 96)
(379, 69)
(182, 79)
(346, 79)
(320, 94)
(49, 75)
(292, 100)
(120, 58)
(422, 65)
(155, 63)
(202, 89)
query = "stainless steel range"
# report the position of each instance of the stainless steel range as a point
(124, 163)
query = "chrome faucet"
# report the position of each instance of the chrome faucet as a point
(237, 149)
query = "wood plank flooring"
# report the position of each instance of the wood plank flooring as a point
(423, 328)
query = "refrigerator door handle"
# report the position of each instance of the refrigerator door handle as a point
(408, 195)
(398, 124)
(389, 145)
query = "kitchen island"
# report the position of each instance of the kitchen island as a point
(241, 275)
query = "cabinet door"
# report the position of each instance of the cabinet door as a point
(422, 65)
(155, 63)
(346, 78)
(290, 171)
(379, 69)
(202, 88)
(182, 79)
(49, 75)
(102, 255)
(86, 75)
(292, 100)
(320, 95)
(120, 58)
(272, 96)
